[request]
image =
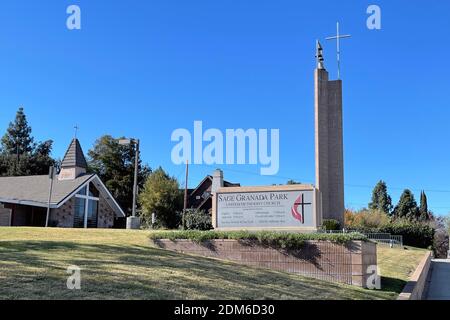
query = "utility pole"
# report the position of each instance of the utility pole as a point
(185, 194)
(133, 222)
(51, 175)
(136, 169)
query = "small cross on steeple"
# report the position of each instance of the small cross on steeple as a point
(76, 130)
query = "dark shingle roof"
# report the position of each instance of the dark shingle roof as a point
(35, 189)
(74, 156)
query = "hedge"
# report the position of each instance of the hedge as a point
(414, 234)
(274, 239)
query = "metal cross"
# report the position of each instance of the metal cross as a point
(76, 130)
(338, 38)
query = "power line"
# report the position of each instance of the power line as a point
(347, 185)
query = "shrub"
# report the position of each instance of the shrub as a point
(197, 220)
(415, 234)
(366, 220)
(331, 225)
(161, 195)
(274, 239)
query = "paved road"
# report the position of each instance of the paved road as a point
(439, 286)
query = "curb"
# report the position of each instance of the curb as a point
(415, 288)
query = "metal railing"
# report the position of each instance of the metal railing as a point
(381, 238)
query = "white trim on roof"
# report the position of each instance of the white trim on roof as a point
(29, 203)
(70, 196)
(94, 177)
(110, 196)
(117, 210)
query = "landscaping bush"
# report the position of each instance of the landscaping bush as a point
(366, 220)
(274, 239)
(331, 225)
(197, 220)
(414, 234)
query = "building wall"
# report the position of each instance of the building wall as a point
(105, 214)
(5, 217)
(63, 217)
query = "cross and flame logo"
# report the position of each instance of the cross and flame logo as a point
(299, 202)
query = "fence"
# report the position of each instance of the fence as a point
(381, 238)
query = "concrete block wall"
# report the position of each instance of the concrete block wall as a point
(348, 264)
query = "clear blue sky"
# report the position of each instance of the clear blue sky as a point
(144, 68)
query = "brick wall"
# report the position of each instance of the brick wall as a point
(63, 217)
(317, 259)
(105, 214)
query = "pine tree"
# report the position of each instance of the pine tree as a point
(19, 155)
(423, 210)
(407, 207)
(380, 198)
(18, 140)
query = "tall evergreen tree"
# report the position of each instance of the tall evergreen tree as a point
(18, 140)
(424, 214)
(380, 198)
(20, 155)
(407, 206)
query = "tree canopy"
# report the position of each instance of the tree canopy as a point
(407, 206)
(114, 164)
(20, 155)
(381, 200)
(162, 196)
(424, 214)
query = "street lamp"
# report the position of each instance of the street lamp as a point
(133, 222)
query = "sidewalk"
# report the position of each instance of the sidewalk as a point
(439, 286)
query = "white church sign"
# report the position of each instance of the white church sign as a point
(267, 208)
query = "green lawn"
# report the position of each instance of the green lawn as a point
(121, 264)
(397, 265)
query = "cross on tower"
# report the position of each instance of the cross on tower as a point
(338, 38)
(76, 130)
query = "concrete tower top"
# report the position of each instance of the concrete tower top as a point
(319, 56)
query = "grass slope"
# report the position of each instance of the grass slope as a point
(397, 265)
(121, 264)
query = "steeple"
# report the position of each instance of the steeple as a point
(74, 163)
(319, 56)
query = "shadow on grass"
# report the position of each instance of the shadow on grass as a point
(37, 270)
(392, 285)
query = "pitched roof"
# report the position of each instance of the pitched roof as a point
(34, 190)
(74, 156)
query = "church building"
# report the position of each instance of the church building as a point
(77, 199)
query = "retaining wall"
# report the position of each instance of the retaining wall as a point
(344, 263)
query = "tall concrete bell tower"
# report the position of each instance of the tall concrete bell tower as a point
(329, 141)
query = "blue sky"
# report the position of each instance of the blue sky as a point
(145, 68)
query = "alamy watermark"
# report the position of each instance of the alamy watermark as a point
(74, 279)
(73, 22)
(234, 146)
(374, 20)
(374, 278)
